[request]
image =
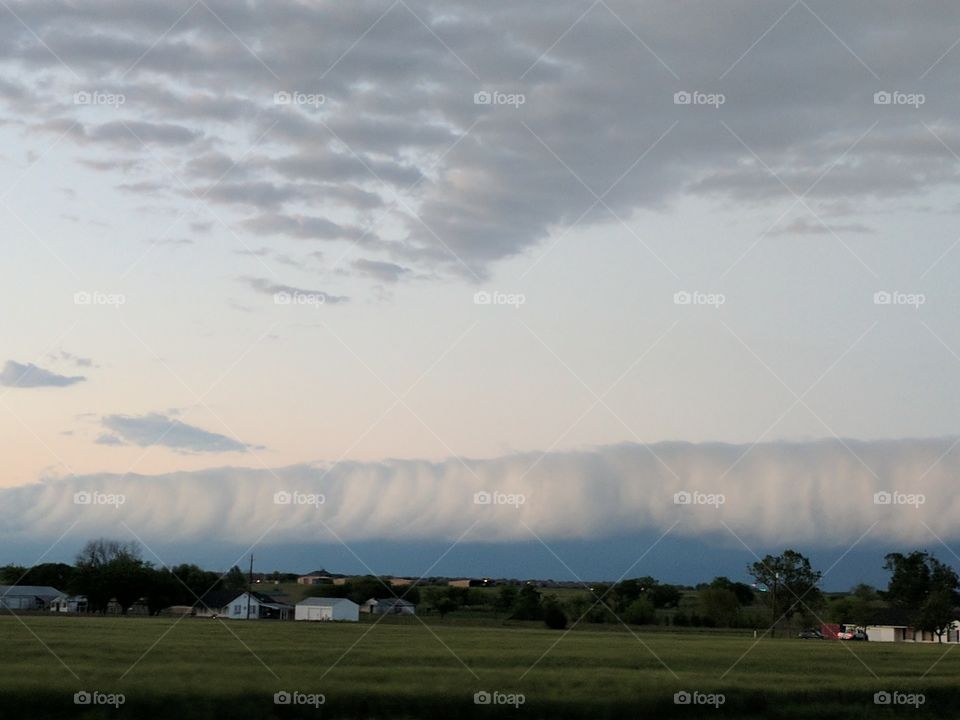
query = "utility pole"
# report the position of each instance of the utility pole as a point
(249, 586)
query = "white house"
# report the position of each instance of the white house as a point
(389, 606)
(327, 609)
(27, 597)
(241, 605)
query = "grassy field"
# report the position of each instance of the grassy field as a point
(209, 669)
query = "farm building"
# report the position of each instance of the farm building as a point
(328, 609)
(68, 604)
(27, 597)
(241, 605)
(389, 606)
(894, 625)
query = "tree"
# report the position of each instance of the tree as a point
(864, 602)
(528, 605)
(194, 583)
(936, 614)
(506, 598)
(162, 590)
(109, 570)
(235, 579)
(719, 605)
(10, 574)
(791, 584)
(743, 592)
(553, 615)
(924, 586)
(640, 612)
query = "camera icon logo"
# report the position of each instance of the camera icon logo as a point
(282, 498)
(882, 297)
(82, 498)
(483, 98)
(282, 698)
(481, 698)
(882, 698)
(81, 98)
(482, 498)
(682, 298)
(482, 298)
(82, 698)
(282, 298)
(682, 698)
(682, 498)
(682, 98)
(882, 498)
(282, 98)
(882, 97)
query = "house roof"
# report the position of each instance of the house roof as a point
(326, 601)
(219, 599)
(28, 591)
(390, 602)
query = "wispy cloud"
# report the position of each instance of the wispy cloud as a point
(15, 374)
(158, 429)
(266, 287)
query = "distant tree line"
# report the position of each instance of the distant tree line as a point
(785, 591)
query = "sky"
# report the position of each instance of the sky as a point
(384, 256)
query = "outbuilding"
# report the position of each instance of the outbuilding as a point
(27, 597)
(323, 609)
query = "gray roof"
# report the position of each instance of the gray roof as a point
(390, 602)
(325, 602)
(29, 591)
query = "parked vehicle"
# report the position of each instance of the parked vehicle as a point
(810, 634)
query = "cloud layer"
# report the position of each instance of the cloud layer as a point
(390, 126)
(816, 493)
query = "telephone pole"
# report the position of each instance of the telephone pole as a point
(249, 586)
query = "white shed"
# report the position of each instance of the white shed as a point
(327, 609)
(887, 633)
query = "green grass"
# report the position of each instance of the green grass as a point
(202, 668)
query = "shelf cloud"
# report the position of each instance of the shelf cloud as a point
(820, 493)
